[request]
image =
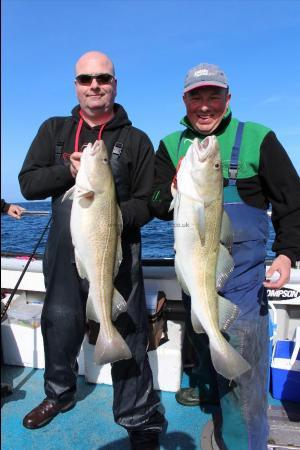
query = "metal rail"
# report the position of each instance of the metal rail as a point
(3, 312)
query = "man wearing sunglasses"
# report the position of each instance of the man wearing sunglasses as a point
(50, 169)
(257, 174)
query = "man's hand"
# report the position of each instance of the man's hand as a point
(15, 211)
(75, 163)
(282, 265)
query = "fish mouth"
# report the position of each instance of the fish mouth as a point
(96, 150)
(93, 149)
(99, 150)
(206, 148)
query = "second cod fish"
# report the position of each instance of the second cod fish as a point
(96, 225)
(202, 264)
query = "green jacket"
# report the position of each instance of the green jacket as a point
(266, 176)
(178, 143)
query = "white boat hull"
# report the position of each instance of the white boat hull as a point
(23, 345)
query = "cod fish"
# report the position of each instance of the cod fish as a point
(203, 236)
(96, 225)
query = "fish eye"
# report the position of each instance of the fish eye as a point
(105, 160)
(217, 165)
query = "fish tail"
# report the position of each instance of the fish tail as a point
(111, 350)
(228, 362)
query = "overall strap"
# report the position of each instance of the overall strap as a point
(119, 171)
(233, 167)
(58, 150)
(60, 143)
(119, 145)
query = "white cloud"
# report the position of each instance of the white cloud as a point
(272, 99)
(292, 100)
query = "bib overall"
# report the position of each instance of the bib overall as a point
(241, 421)
(64, 319)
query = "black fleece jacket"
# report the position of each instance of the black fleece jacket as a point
(42, 176)
(4, 206)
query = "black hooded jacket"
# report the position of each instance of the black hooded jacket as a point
(47, 174)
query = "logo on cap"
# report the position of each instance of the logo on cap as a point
(205, 75)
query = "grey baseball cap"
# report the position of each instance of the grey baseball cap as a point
(205, 75)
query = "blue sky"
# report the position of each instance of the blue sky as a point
(153, 44)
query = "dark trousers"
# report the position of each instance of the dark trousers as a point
(64, 323)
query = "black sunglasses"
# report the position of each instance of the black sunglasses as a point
(101, 78)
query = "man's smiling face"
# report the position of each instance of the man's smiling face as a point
(206, 106)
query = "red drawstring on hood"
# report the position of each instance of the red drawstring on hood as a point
(78, 131)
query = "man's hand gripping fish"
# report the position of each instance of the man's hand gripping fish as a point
(202, 262)
(96, 225)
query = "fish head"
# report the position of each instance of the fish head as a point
(200, 174)
(94, 174)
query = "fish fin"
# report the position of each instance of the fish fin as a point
(176, 199)
(119, 257)
(200, 212)
(198, 328)
(79, 266)
(120, 221)
(172, 205)
(110, 350)
(180, 277)
(228, 313)
(226, 236)
(225, 266)
(90, 310)
(82, 183)
(80, 193)
(228, 362)
(69, 194)
(119, 253)
(118, 305)
(173, 190)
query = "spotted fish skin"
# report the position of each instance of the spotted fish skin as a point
(198, 219)
(96, 226)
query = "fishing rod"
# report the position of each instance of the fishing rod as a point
(27, 212)
(6, 306)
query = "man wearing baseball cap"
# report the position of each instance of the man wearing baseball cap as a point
(257, 174)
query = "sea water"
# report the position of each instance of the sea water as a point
(22, 235)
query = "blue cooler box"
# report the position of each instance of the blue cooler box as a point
(285, 379)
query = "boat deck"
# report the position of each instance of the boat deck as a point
(90, 425)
